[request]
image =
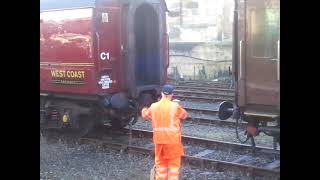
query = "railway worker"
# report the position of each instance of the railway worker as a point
(166, 116)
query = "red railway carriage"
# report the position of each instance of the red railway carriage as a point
(100, 60)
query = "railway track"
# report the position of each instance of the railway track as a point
(201, 93)
(205, 121)
(205, 89)
(201, 97)
(206, 111)
(223, 145)
(202, 153)
(202, 84)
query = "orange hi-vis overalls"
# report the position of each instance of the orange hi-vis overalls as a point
(165, 116)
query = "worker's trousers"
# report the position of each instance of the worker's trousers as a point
(167, 163)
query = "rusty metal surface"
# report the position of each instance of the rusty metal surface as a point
(201, 88)
(194, 97)
(258, 81)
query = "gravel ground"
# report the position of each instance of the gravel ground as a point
(191, 97)
(60, 160)
(142, 142)
(211, 132)
(72, 161)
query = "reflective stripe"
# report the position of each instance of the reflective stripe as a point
(161, 175)
(173, 178)
(161, 172)
(173, 171)
(174, 168)
(161, 169)
(174, 174)
(165, 129)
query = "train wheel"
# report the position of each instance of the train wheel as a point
(241, 133)
(145, 100)
(83, 126)
(119, 123)
(43, 117)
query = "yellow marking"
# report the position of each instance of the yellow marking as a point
(65, 118)
(66, 64)
(68, 82)
(68, 73)
(75, 74)
(260, 114)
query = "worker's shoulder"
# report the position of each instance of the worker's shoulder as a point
(155, 104)
(176, 104)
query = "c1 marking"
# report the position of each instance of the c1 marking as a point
(104, 56)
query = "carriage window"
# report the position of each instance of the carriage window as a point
(265, 28)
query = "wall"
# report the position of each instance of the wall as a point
(200, 60)
(201, 32)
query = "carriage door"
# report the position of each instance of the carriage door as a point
(108, 46)
(262, 52)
